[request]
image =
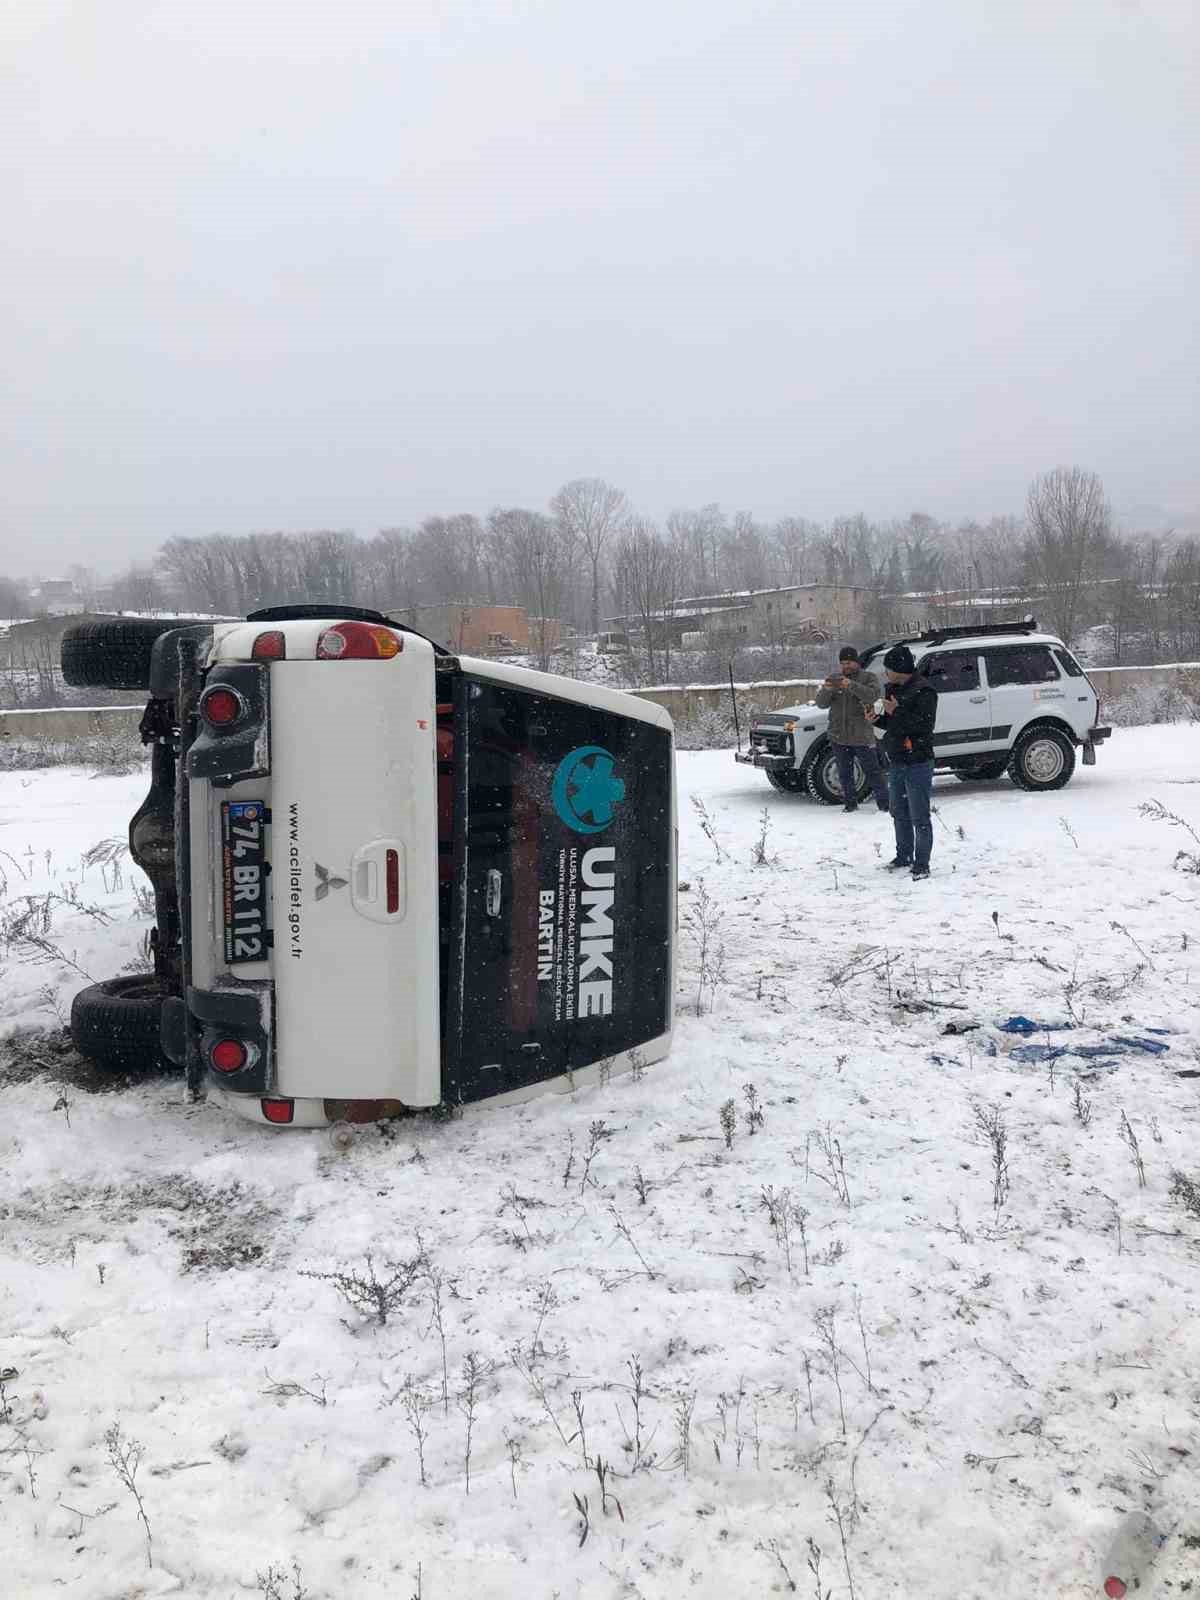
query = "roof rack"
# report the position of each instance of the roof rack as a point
(974, 630)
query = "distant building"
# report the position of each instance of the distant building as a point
(799, 613)
(912, 613)
(482, 630)
(56, 597)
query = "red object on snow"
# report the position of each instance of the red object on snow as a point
(1114, 1588)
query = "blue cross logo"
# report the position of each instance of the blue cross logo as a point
(584, 790)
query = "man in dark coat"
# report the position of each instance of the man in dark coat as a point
(848, 694)
(908, 715)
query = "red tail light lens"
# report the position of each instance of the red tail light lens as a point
(392, 875)
(270, 646)
(228, 1055)
(358, 641)
(278, 1110)
(221, 707)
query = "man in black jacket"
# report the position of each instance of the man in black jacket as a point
(908, 715)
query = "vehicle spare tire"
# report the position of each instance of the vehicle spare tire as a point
(112, 655)
(117, 1024)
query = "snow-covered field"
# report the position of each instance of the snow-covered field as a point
(950, 1391)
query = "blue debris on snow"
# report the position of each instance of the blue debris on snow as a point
(1118, 1044)
(1038, 1052)
(1026, 1025)
(1133, 1044)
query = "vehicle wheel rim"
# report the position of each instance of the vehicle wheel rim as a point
(1044, 760)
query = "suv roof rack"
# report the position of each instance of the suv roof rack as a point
(974, 630)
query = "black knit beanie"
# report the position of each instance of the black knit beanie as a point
(899, 659)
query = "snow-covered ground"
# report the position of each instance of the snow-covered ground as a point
(979, 1387)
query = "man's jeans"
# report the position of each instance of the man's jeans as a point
(868, 756)
(910, 789)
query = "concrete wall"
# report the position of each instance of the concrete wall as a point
(70, 722)
(1112, 682)
(686, 703)
(683, 701)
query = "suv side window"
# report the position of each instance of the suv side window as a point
(1068, 663)
(951, 671)
(1020, 663)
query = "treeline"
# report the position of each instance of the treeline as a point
(589, 556)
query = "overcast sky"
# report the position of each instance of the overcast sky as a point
(283, 265)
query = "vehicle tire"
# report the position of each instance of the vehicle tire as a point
(983, 774)
(117, 1024)
(822, 778)
(789, 781)
(1042, 758)
(112, 655)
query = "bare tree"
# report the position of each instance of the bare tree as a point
(922, 557)
(745, 563)
(792, 540)
(138, 590)
(701, 535)
(387, 569)
(446, 556)
(537, 557)
(86, 584)
(14, 600)
(1181, 601)
(327, 566)
(197, 572)
(1069, 536)
(589, 512)
(647, 576)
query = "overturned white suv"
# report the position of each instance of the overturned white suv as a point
(1010, 699)
(386, 877)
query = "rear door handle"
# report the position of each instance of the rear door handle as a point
(978, 699)
(494, 886)
(378, 886)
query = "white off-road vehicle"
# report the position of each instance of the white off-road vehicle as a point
(386, 877)
(1010, 699)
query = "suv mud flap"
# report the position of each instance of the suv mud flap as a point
(243, 1014)
(226, 755)
(175, 1030)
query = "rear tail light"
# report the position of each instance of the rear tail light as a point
(392, 875)
(278, 1110)
(228, 1055)
(221, 708)
(358, 641)
(271, 646)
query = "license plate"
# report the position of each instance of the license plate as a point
(244, 880)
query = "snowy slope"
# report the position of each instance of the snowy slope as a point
(1013, 1378)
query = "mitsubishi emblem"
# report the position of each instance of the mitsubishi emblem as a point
(327, 881)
